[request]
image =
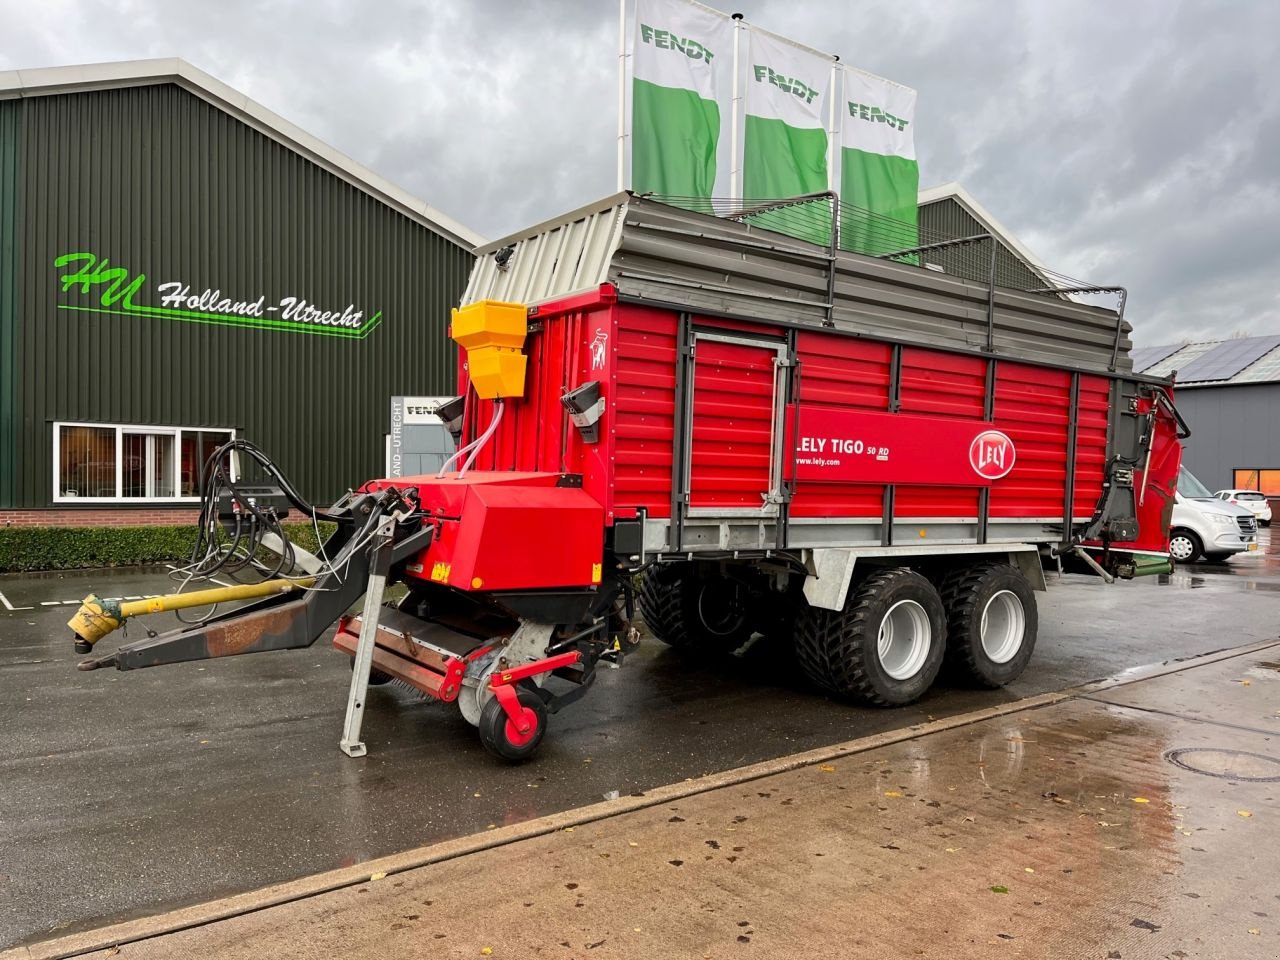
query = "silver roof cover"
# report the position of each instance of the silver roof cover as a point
(662, 254)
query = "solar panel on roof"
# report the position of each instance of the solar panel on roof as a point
(1228, 359)
(1180, 358)
(1144, 357)
(1265, 368)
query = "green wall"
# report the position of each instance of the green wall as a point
(10, 120)
(159, 184)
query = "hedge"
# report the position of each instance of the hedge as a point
(70, 548)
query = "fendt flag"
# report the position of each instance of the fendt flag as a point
(785, 143)
(879, 176)
(678, 50)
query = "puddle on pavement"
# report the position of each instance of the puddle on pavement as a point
(1228, 580)
(1117, 840)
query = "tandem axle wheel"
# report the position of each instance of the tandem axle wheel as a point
(886, 646)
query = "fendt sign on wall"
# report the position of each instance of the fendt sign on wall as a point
(90, 284)
(871, 447)
(418, 441)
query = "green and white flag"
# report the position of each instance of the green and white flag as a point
(785, 140)
(878, 169)
(680, 48)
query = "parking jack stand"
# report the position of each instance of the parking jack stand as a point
(351, 744)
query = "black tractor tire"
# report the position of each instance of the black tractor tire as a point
(695, 612)
(499, 734)
(839, 650)
(376, 677)
(991, 623)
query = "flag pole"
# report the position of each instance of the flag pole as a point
(833, 151)
(735, 167)
(622, 95)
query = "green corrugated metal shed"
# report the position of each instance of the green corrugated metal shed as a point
(10, 114)
(949, 212)
(152, 177)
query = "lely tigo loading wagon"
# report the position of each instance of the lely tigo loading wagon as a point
(864, 459)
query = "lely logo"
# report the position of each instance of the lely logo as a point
(991, 454)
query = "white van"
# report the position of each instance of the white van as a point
(1204, 526)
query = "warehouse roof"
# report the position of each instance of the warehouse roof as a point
(1213, 362)
(954, 191)
(48, 81)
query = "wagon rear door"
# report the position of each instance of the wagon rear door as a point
(733, 463)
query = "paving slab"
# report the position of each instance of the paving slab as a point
(1057, 831)
(1244, 693)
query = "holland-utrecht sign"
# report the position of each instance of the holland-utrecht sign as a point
(113, 290)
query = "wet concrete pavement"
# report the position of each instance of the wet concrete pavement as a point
(123, 793)
(1058, 831)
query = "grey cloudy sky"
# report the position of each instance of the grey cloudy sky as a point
(1124, 141)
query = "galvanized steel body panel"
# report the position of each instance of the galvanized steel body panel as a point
(664, 255)
(160, 182)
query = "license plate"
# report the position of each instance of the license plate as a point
(1253, 546)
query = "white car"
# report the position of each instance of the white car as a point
(1253, 501)
(1204, 526)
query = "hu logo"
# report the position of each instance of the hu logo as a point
(991, 454)
(598, 347)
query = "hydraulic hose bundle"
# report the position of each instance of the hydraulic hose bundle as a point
(230, 540)
(228, 547)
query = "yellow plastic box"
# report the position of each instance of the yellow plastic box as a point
(491, 323)
(493, 333)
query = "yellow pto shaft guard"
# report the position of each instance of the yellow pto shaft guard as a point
(97, 617)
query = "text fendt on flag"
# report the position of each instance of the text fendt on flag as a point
(680, 53)
(879, 175)
(785, 137)
(793, 100)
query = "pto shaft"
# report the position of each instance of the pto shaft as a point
(97, 617)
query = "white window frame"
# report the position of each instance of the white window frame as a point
(121, 429)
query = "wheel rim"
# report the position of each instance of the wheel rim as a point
(514, 736)
(1180, 546)
(1004, 623)
(720, 608)
(905, 640)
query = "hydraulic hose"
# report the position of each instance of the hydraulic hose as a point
(218, 549)
(474, 446)
(484, 438)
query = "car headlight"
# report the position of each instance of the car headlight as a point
(1222, 521)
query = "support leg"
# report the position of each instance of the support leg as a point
(351, 744)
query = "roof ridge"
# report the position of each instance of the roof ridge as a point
(51, 81)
